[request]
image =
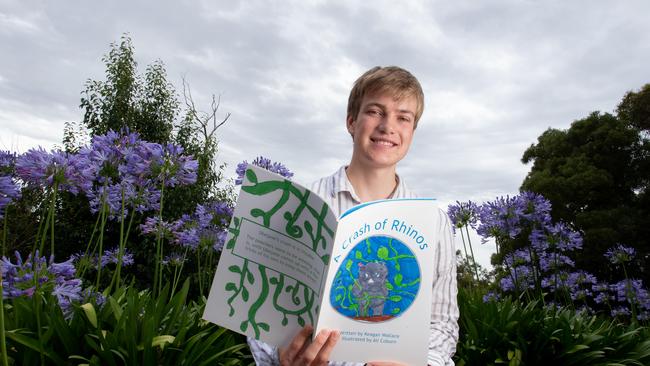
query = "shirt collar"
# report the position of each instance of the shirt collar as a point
(342, 184)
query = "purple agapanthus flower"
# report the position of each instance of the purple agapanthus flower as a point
(9, 191)
(112, 256)
(463, 214)
(131, 171)
(265, 163)
(39, 168)
(620, 254)
(37, 274)
(7, 160)
(206, 227)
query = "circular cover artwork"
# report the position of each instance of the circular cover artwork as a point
(377, 281)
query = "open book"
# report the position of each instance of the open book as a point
(289, 261)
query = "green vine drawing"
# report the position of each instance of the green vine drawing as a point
(301, 296)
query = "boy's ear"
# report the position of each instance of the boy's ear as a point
(349, 122)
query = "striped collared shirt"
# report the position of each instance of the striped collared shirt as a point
(339, 194)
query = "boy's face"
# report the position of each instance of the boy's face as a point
(383, 130)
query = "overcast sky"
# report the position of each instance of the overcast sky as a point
(496, 74)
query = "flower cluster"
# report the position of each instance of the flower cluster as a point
(205, 228)
(9, 188)
(114, 170)
(36, 274)
(110, 256)
(463, 214)
(265, 163)
(545, 263)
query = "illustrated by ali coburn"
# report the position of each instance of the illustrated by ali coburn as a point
(288, 261)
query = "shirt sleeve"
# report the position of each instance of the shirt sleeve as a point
(443, 334)
(263, 353)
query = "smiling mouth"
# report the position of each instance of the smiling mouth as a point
(383, 142)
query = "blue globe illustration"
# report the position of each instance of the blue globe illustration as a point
(377, 281)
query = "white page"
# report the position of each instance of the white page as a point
(283, 267)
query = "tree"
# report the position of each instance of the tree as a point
(146, 104)
(593, 173)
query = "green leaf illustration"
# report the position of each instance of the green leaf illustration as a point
(395, 298)
(348, 264)
(285, 321)
(231, 312)
(301, 321)
(234, 269)
(230, 286)
(244, 325)
(264, 326)
(358, 255)
(244, 293)
(396, 310)
(250, 277)
(325, 259)
(382, 253)
(398, 279)
(250, 175)
(338, 297)
(389, 286)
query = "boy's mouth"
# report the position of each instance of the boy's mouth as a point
(383, 142)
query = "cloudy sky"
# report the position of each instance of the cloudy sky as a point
(496, 74)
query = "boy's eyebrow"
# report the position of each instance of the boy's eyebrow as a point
(376, 104)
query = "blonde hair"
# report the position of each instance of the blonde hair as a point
(391, 80)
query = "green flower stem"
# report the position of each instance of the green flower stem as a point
(3, 343)
(157, 276)
(178, 270)
(101, 245)
(469, 241)
(4, 231)
(84, 263)
(37, 300)
(52, 205)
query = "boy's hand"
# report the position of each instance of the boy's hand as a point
(302, 351)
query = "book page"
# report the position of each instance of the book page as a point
(378, 290)
(271, 273)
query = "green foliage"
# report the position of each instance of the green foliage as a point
(509, 332)
(146, 104)
(596, 175)
(130, 328)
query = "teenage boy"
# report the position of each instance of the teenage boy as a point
(384, 107)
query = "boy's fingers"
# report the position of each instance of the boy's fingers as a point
(288, 355)
(319, 350)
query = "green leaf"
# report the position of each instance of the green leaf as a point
(89, 310)
(244, 294)
(230, 286)
(389, 286)
(243, 326)
(396, 310)
(338, 297)
(395, 298)
(162, 340)
(264, 326)
(250, 278)
(358, 255)
(301, 321)
(285, 321)
(115, 307)
(382, 253)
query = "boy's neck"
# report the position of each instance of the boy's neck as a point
(372, 184)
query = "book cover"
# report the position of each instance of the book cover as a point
(289, 261)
